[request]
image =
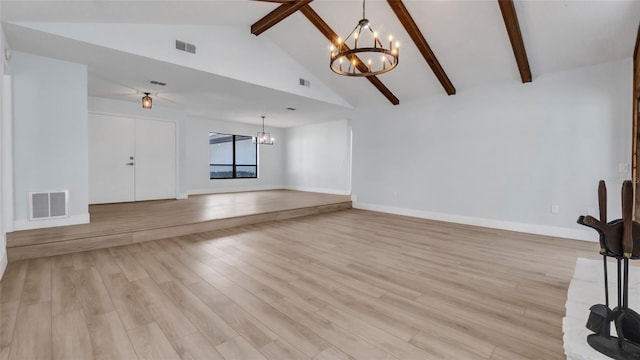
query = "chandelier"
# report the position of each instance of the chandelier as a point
(348, 56)
(263, 138)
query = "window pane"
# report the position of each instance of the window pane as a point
(220, 172)
(220, 148)
(246, 171)
(245, 151)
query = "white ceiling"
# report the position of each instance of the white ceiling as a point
(468, 37)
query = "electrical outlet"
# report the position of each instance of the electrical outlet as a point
(555, 209)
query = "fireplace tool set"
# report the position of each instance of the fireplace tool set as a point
(619, 239)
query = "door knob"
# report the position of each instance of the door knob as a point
(130, 163)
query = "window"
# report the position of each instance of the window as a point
(232, 156)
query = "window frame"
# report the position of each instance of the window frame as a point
(234, 164)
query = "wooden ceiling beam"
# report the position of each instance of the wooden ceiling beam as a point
(515, 36)
(414, 32)
(277, 15)
(331, 35)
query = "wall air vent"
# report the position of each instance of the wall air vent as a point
(185, 46)
(48, 205)
(305, 82)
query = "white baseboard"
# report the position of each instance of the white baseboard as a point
(233, 189)
(555, 231)
(319, 190)
(24, 224)
(182, 196)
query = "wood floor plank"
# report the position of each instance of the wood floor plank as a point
(195, 347)
(332, 333)
(238, 348)
(65, 295)
(365, 308)
(281, 350)
(8, 316)
(245, 324)
(150, 343)
(381, 339)
(105, 262)
(32, 336)
(70, 336)
(155, 269)
(177, 270)
(109, 338)
(332, 353)
(166, 314)
(214, 328)
(12, 282)
(83, 260)
(291, 331)
(37, 283)
(130, 308)
(91, 292)
(130, 267)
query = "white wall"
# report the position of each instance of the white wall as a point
(6, 176)
(274, 69)
(50, 135)
(270, 158)
(501, 156)
(319, 157)
(193, 148)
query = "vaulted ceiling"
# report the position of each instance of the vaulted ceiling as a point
(469, 39)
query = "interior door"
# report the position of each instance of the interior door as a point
(111, 170)
(155, 160)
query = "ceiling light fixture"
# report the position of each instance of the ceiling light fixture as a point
(146, 101)
(345, 55)
(263, 138)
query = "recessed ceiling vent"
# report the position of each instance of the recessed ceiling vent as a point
(185, 46)
(159, 83)
(305, 82)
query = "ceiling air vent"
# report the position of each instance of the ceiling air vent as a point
(305, 82)
(185, 46)
(159, 83)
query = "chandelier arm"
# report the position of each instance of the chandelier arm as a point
(344, 42)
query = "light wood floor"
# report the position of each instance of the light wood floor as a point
(350, 284)
(126, 223)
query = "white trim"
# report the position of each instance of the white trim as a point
(545, 230)
(182, 196)
(233, 189)
(3, 263)
(130, 116)
(7, 154)
(40, 224)
(319, 190)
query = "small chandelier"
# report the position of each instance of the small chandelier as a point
(263, 138)
(146, 101)
(345, 55)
